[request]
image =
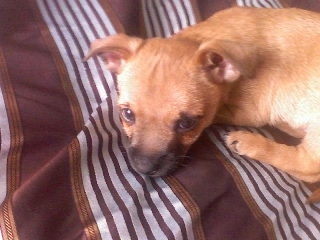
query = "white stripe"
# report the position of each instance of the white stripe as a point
(271, 4)
(127, 199)
(106, 193)
(125, 196)
(5, 146)
(240, 3)
(163, 19)
(95, 207)
(259, 3)
(182, 15)
(147, 6)
(101, 13)
(71, 44)
(190, 12)
(172, 16)
(176, 203)
(84, 45)
(153, 18)
(248, 3)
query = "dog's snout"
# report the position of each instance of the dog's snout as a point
(145, 165)
(156, 164)
(154, 171)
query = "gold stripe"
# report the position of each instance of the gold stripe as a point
(189, 204)
(81, 200)
(16, 135)
(7, 221)
(14, 154)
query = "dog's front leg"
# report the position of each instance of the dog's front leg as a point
(298, 160)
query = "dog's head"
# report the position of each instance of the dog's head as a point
(169, 92)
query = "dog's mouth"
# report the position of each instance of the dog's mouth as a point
(156, 166)
(168, 168)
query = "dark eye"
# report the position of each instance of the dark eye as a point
(186, 123)
(127, 115)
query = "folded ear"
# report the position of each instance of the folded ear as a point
(114, 50)
(227, 61)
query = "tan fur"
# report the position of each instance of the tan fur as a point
(257, 66)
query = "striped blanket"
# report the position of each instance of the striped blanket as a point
(64, 171)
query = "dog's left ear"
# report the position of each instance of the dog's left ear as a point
(114, 50)
(227, 61)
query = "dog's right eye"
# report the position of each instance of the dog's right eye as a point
(128, 115)
(186, 123)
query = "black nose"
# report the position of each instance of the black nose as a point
(148, 165)
(156, 164)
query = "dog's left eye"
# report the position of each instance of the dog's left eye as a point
(186, 123)
(128, 115)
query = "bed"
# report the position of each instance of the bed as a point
(64, 171)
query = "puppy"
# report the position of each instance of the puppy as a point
(242, 66)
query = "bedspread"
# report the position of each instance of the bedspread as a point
(64, 171)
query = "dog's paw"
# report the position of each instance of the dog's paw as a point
(244, 143)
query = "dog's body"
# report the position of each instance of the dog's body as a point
(243, 66)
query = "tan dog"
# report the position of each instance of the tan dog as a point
(243, 66)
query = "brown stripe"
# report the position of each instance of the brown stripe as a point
(128, 13)
(196, 10)
(112, 16)
(263, 219)
(82, 203)
(34, 69)
(61, 69)
(189, 204)
(208, 7)
(285, 3)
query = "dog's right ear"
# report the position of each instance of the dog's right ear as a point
(226, 61)
(114, 50)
